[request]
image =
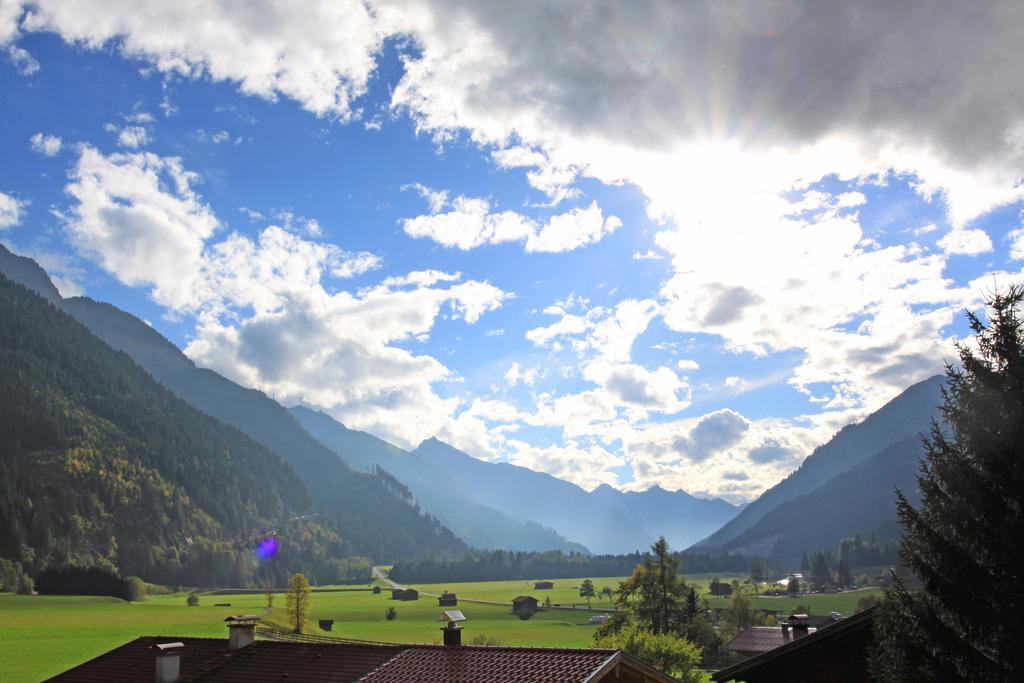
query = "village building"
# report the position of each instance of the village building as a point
(836, 652)
(543, 585)
(243, 658)
(405, 594)
(525, 603)
(447, 600)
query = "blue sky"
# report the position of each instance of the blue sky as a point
(533, 234)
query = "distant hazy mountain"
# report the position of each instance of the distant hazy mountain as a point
(683, 519)
(479, 525)
(844, 487)
(373, 515)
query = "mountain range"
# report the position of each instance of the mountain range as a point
(845, 487)
(387, 500)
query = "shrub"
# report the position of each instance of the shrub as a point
(193, 600)
(13, 578)
(390, 614)
(71, 580)
(669, 653)
(136, 589)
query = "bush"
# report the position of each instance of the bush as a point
(193, 600)
(669, 653)
(14, 578)
(390, 614)
(71, 580)
(136, 589)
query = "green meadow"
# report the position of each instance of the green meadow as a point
(43, 635)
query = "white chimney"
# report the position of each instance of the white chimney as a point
(168, 662)
(241, 631)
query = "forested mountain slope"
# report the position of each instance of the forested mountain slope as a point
(861, 501)
(906, 416)
(479, 525)
(99, 464)
(373, 514)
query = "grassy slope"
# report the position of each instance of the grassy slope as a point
(43, 635)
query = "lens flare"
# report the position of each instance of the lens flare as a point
(266, 548)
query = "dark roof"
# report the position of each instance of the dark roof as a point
(135, 660)
(841, 646)
(522, 598)
(762, 639)
(209, 659)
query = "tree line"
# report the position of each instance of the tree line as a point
(503, 565)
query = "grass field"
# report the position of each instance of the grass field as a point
(43, 635)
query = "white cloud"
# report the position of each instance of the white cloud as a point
(133, 137)
(24, 63)
(687, 365)
(264, 316)
(586, 466)
(137, 216)
(649, 255)
(967, 241)
(220, 136)
(469, 223)
(572, 229)
(320, 57)
(926, 230)
(514, 375)
(1016, 238)
(47, 145)
(11, 209)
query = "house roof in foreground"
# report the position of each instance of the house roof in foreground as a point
(857, 627)
(764, 638)
(210, 659)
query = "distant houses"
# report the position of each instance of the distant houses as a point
(525, 604)
(405, 594)
(447, 600)
(543, 585)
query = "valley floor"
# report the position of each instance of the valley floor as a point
(43, 635)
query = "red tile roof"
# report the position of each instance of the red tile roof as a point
(493, 664)
(208, 659)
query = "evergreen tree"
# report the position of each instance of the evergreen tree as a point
(820, 571)
(692, 607)
(296, 600)
(758, 572)
(964, 543)
(654, 594)
(844, 575)
(805, 564)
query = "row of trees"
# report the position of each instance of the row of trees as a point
(503, 565)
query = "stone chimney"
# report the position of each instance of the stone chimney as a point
(168, 662)
(241, 631)
(800, 623)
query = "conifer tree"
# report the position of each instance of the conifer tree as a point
(654, 594)
(965, 542)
